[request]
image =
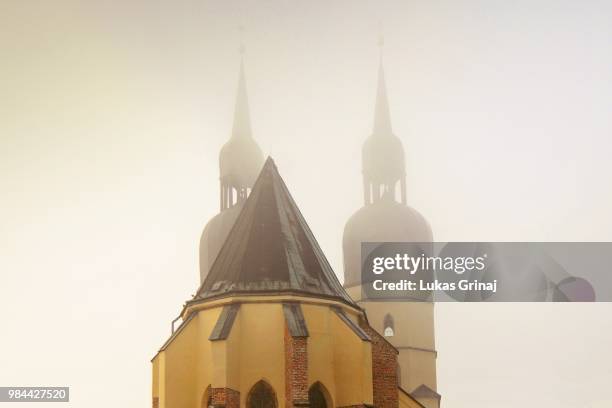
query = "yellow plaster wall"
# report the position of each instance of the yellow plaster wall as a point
(352, 365)
(233, 348)
(180, 366)
(155, 375)
(207, 353)
(162, 380)
(262, 348)
(255, 350)
(320, 347)
(180, 377)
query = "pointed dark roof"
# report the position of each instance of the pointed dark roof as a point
(271, 249)
(423, 391)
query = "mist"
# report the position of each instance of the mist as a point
(114, 113)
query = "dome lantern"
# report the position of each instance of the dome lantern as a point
(383, 165)
(241, 158)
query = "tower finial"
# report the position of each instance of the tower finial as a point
(382, 117)
(242, 120)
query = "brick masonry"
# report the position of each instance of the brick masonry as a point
(384, 369)
(296, 370)
(225, 398)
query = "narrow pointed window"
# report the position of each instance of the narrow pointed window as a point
(388, 326)
(318, 396)
(261, 396)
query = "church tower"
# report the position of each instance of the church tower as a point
(240, 161)
(271, 326)
(386, 217)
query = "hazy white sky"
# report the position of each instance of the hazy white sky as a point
(112, 115)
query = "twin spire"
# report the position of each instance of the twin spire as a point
(240, 159)
(242, 116)
(382, 116)
(382, 155)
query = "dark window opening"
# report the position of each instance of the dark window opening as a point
(316, 396)
(261, 396)
(388, 326)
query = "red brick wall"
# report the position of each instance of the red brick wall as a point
(232, 399)
(225, 398)
(384, 370)
(296, 370)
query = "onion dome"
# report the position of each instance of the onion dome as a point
(384, 221)
(214, 235)
(241, 158)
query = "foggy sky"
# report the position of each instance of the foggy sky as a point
(113, 114)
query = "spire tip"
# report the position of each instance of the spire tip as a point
(242, 46)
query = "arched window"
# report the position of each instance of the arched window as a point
(261, 396)
(318, 397)
(388, 326)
